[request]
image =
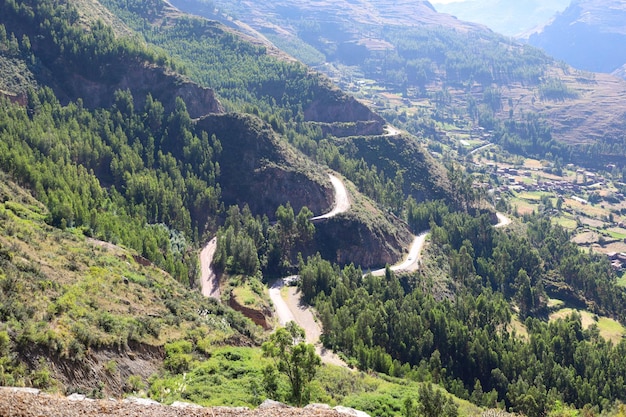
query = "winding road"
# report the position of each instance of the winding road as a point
(287, 302)
(342, 199)
(502, 220)
(411, 263)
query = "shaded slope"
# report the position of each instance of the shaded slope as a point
(589, 35)
(102, 65)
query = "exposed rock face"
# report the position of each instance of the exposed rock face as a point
(142, 80)
(334, 106)
(259, 170)
(342, 130)
(91, 373)
(344, 239)
(255, 315)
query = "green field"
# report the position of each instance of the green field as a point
(609, 329)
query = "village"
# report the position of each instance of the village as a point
(592, 205)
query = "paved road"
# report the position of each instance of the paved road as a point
(411, 263)
(342, 199)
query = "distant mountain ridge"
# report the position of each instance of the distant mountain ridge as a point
(589, 35)
(508, 17)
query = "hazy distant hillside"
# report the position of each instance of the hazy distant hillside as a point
(508, 17)
(589, 35)
(410, 50)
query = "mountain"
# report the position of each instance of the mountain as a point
(446, 67)
(507, 17)
(589, 35)
(321, 31)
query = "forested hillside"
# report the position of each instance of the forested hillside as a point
(132, 133)
(455, 72)
(467, 342)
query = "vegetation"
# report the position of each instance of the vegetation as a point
(67, 297)
(142, 174)
(396, 327)
(293, 357)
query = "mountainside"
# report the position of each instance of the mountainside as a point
(85, 315)
(463, 73)
(507, 17)
(247, 152)
(109, 189)
(589, 35)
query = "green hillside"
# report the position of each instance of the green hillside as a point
(132, 133)
(81, 314)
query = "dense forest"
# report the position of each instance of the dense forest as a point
(395, 325)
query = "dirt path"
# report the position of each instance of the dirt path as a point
(502, 220)
(391, 131)
(342, 199)
(411, 263)
(291, 308)
(480, 148)
(208, 279)
(283, 312)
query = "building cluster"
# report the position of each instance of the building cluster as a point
(618, 260)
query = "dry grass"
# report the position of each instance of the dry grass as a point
(609, 328)
(519, 327)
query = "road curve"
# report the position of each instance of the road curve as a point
(411, 262)
(292, 308)
(342, 199)
(280, 306)
(502, 220)
(480, 148)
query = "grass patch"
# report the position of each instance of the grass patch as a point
(519, 327)
(555, 303)
(533, 195)
(233, 376)
(609, 329)
(523, 206)
(248, 291)
(565, 222)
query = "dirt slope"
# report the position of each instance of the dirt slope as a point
(33, 404)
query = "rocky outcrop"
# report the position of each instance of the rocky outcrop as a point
(261, 171)
(370, 244)
(331, 105)
(16, 402)
(344, 129)
(102, 372)
(141, 79)
(255, 315)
